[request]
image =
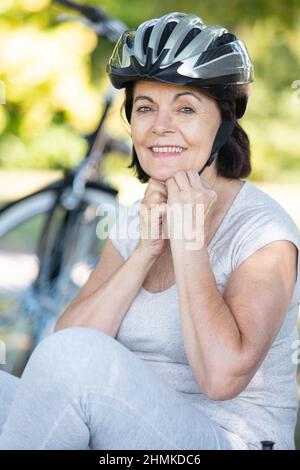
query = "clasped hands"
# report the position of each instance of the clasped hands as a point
(177, 209)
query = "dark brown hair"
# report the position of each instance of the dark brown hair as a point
(233, 159)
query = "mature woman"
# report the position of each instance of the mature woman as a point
(175, 342)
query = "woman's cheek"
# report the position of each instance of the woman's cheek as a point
(138, 130)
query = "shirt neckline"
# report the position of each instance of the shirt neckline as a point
(212, 241)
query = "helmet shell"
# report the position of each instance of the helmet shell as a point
(179, 48)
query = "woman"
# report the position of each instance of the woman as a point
(175, 342)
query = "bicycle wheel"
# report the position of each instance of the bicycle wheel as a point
(27, 314)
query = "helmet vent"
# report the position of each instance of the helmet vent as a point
(129, 41)
(213, 53)
(224, 39)
(165, 35)
(188, 38)
(146, 38)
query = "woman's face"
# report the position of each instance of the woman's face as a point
(173, 127)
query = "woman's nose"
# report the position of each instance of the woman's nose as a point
(163, 123)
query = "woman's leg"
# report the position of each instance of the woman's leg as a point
(83, 389)
(8, 387)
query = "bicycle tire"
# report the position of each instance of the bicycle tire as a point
(24, 313)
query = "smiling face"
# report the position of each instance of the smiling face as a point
(173, 128)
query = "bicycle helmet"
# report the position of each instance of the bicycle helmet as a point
(179, 48)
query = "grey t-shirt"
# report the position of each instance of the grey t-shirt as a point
(267, 408)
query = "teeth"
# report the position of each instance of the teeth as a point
(167, 149)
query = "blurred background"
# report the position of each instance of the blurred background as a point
(52, 75)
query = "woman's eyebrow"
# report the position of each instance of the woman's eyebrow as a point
(141, 97)
(178, 95)
(186, 93)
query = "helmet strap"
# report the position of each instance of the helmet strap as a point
(224, 132)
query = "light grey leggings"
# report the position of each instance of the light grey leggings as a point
(82, 389)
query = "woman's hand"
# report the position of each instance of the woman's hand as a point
(152, 211)
(188, 209)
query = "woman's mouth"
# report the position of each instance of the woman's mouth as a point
(166, 151)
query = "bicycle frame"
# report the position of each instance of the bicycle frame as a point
(70, 191)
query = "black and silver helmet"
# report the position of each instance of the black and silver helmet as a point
(179, 48)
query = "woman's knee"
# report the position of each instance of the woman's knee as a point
(77, 345)
(76, 334)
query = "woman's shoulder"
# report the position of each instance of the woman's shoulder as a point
(258, 211)
(258, 220)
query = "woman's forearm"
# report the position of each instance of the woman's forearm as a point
(105, 308)
(210, 332)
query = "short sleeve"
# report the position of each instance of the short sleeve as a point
(124, 232)
(262, 228)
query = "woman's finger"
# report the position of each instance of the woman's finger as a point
(172, 186)
(155, 185)
(195, 178)
(182, 180)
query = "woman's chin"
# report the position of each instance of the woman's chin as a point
(162, 175)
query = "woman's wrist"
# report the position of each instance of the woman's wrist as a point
(144, 255)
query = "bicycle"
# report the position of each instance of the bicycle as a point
(43, 274)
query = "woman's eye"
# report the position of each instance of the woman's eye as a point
(142, 109)
(187, 110)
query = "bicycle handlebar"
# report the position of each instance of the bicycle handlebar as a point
(97, 19)
(91, 13)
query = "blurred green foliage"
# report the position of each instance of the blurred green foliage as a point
(53, 73)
